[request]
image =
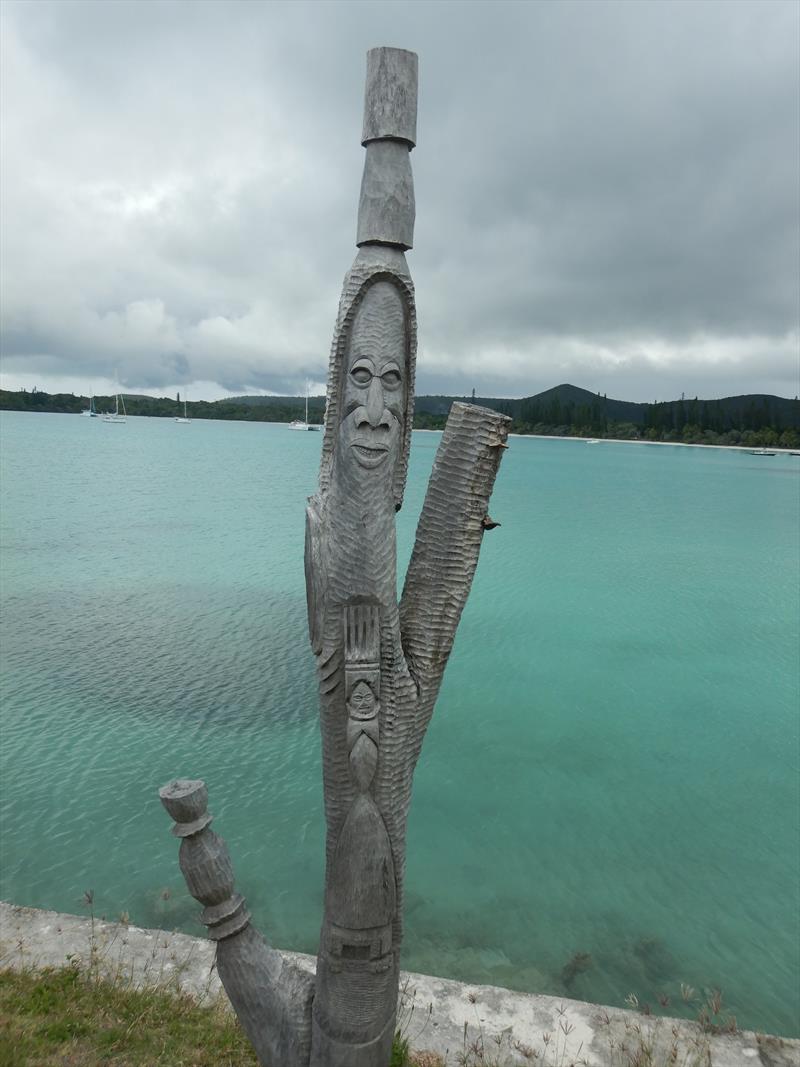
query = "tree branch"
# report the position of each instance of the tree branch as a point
(449, 535)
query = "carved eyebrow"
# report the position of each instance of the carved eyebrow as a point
(363, 361)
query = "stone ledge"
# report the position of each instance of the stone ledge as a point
(435, 1013)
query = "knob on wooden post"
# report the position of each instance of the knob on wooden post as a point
(204, 858)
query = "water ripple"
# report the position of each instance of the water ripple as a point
(611, 769)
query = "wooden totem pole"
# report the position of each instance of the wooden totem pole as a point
(379, 663)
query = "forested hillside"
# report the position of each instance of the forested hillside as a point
(753, 420)
(567, 411)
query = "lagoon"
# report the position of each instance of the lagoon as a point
(612, 767)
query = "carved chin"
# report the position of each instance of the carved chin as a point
(368, 455)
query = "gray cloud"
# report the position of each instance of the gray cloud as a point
(607, 192)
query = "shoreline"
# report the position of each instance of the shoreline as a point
(448, 1016)
(746, 449)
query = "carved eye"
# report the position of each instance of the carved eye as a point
(361, 375)
(391, 379)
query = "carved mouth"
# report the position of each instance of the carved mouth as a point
(370, 455)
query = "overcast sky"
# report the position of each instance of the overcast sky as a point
(608, 194)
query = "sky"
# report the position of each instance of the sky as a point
(608, 194)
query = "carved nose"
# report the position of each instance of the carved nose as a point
(375, 405)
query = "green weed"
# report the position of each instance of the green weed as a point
(66, 1016)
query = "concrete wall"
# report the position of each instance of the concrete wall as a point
(462, 1024)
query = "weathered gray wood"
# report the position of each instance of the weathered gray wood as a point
(450, 532)
(390, 96)
(271, 996)
(386, 208)
(354, 626)
(375, 702)
(379, 664)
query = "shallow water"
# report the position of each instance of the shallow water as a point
(612, 767)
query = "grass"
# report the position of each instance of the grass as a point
(72, 1018)
(68, 1017)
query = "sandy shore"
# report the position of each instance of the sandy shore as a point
(665, 444)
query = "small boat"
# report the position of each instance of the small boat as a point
(761, 452)
(183, 418)
(115, 416)
(593, 441)
(90, 413)
(303, 424)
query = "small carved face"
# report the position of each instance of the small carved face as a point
(362, 703)
(374, 393)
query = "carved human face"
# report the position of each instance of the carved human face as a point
(374, 389)
(362, 703)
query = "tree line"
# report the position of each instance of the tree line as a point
(162, 407)
(757, 422)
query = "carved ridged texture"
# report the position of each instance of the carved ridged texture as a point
(206, 865)
(360, 563)
(271, 996)
(351, 563)
(360, 538)
(448, 541)
(357, 282)
(358, 1011)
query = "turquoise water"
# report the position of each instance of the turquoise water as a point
(612, 767)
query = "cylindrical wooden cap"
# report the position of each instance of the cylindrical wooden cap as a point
(390, 98)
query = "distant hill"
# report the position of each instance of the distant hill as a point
(570, 397)
(565, 399)
(565, 410)
(554, 404)
(753, 420)
(315, 403)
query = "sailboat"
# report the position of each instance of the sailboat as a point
(303, 424)
(90, 413)
(115, 416)
(184, 418)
